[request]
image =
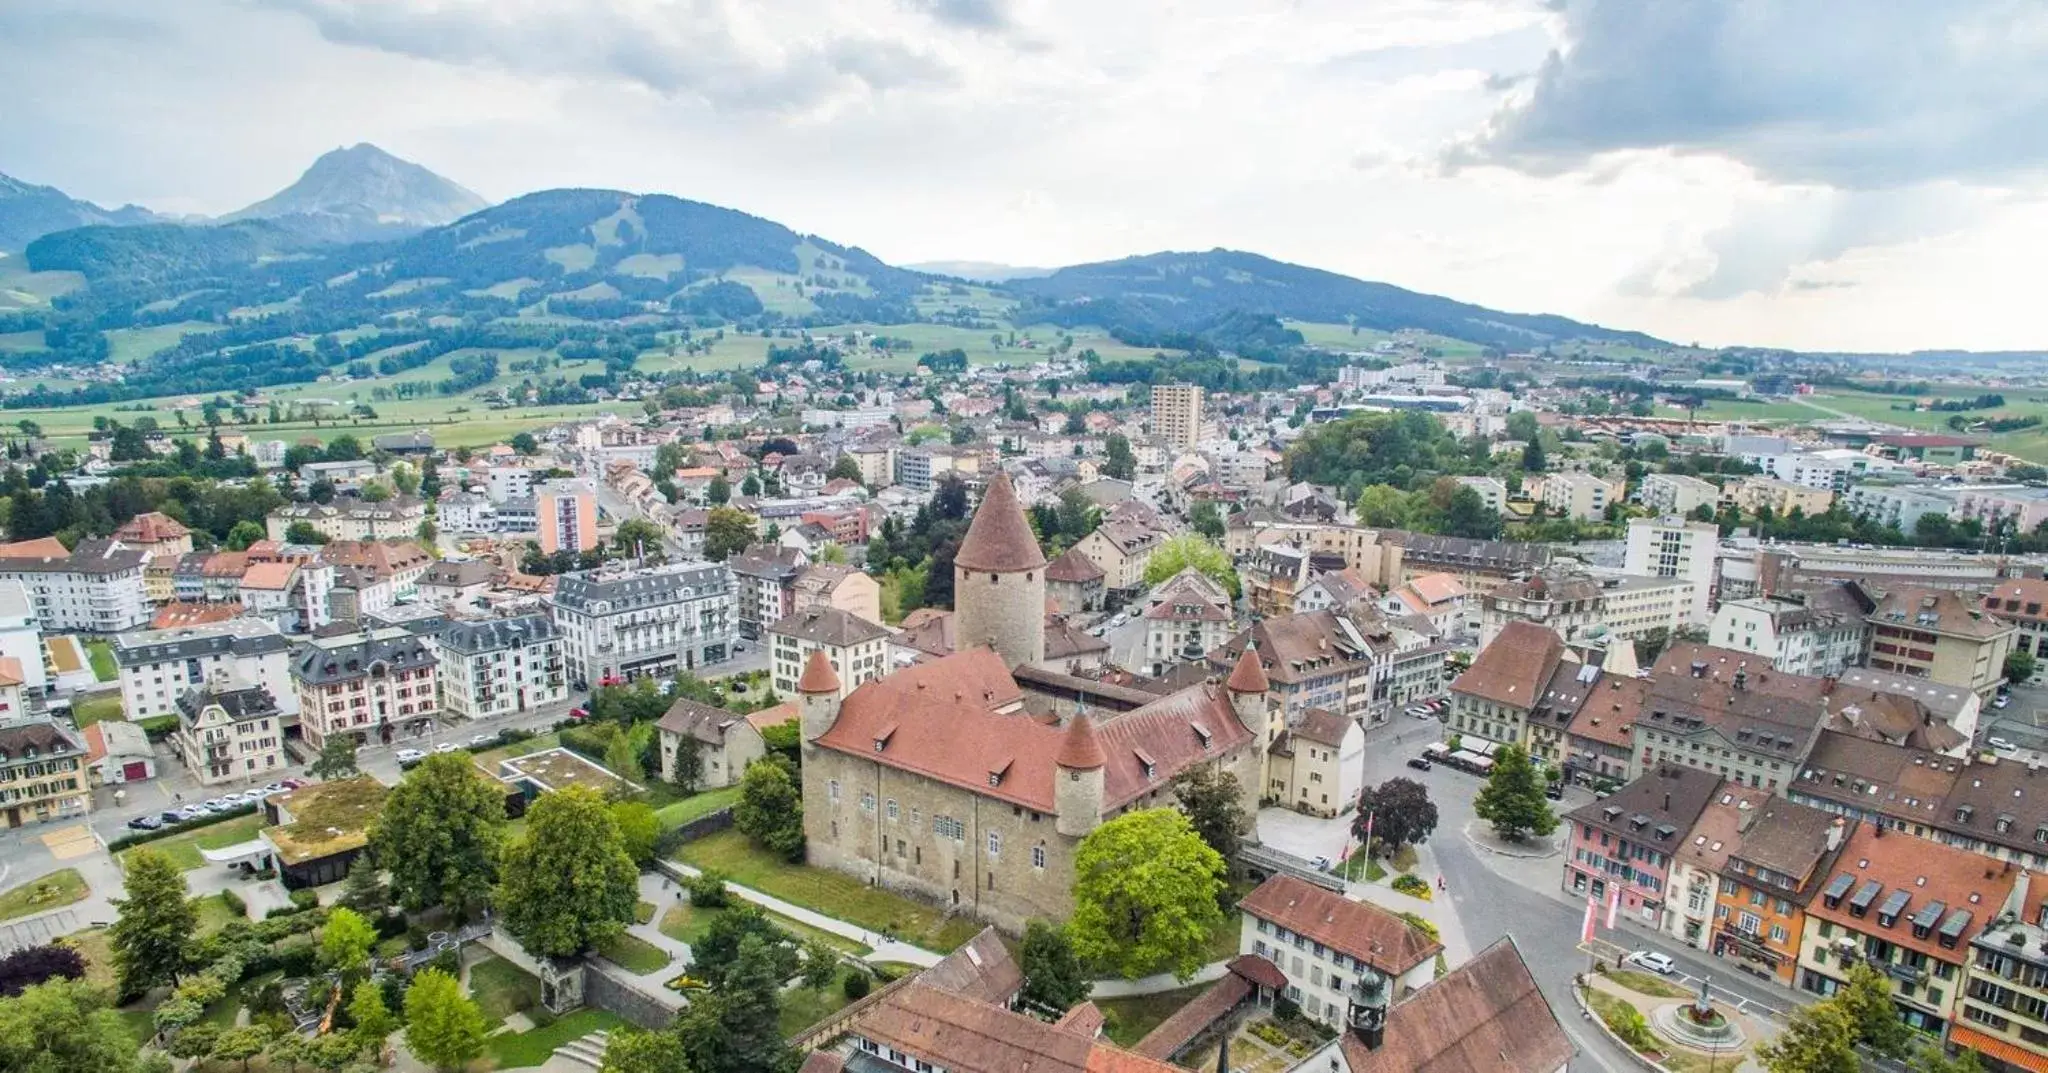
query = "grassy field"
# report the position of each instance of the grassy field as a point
(1129, 1019)
(1749, 410)
(802, 1007)
(101, 653)
(90, 710)
(53, 891)
(516, 1050)
(129, 345)
(685, 923)
(696, 806)
(183, 849)
(834, 894)
(635, 954)
(502, 989)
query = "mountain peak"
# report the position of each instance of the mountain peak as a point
(361, 192)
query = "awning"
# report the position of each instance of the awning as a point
(1986, 1044)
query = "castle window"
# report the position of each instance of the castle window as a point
(1038, 857)
(992, 579)
(832, 789)
(892, 812)
(995, 843)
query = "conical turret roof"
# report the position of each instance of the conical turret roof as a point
(999, 538)
(1079, 748)
(1249, 676)
(819, 677)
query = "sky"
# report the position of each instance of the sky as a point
(1797, 173)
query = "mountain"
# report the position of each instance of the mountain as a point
(361, 194)
(28, 212)
(1165, 293)
(980, 271)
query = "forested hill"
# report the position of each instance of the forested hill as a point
(1190, 292)
(28, 212)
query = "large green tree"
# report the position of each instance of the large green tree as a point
(1213, 802)
(1820, 1038)
(64, 1026)
(1146, 895)
(337, 759)
(1512, 799)
(733, 1029)
(1868, 1001)
(1118, 460)
(1053, 976)
(153, 933)
(727, 532)
(715, 953)
(439, 834)
(1190, 549)
(374, 1020)
(345, 940)
(635, 1050)
(770, 810)
(569, 884)
(1401, 812)
(443, 1026)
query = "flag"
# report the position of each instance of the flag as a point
(1586, 927)
(1613, 903)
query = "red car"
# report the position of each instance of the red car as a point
(579, 713)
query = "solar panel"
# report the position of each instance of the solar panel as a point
(1895, 904)
(1867, 894)
(1952, 928)
(1926, 918)
(1840, 886)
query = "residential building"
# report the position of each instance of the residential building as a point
(42, 774)
(1675, 547)
(1177, 415)
(492, 667)
(626, 622)
(1440, 598)
(1907, 907)
(1477, 564)
(1728, 713)
(1187, 616)
(839, 586)
(2002, 1013)
(1628, 839)
(347, 475)
(1598, 743)
(1335, 588)
(1938, 634)
(724, 744)
(1122, 550)
(1492, 700)
(456, 583)
(2021, 507)
(21, 637)
(155, 533)
(1327, 945)
(764, 577)
(1574, 602)
(1485, 1014)
(508, 482)
(349, 518)
(2020, 601)
(1339, 661)
(856, 647)
(567, 511)
(1676, 493)
(1819, 631)
(464, 512)
(1900, 504)
(1492, 491)
(1784, 854)
(1074, 583)
(157, 667)
(1695, 876)
(1316, 765)
(1754, 495)
(363, 683)
(94, 588)
(1273, 576)
(228, 732)
(1905, 710)
(1578, 496)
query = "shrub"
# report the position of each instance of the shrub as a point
(234, 902)
(448, 961)
(513, 736)
(707, 890)
(416, 937)
(1629, 1023)
(1423, 924)
(1286, 1008)
(390, 925)
(305, 898)
(856, 986)
(1411, 885)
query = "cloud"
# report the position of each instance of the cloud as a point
(989, 16)
(704, 50)
(1882, 94)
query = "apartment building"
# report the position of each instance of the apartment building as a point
(21, 637)
(363, 683)
(1676, 548)
(96, 587)
(1754, 495)
(1819, 631)
(348, 518)
(2019, 506)
(1579, 496)
(629, 622)
(1492, 491)
(1177, 415)
(42, 774)
(1696, 865)
(508, 482)
(1316, 766)
(1786, 853)
(1628, 840)
(764, 579)
(158, 667)
(1728, 713)
(2020, 601)
(492, 667)
(1624, 606)
(1676, 493)
(1338, 661)
(2002, 1014)
(1899, 504)
(840, 586)
(1074, 583)
(856, 647)
(1187, 616)
(1122, 549)
(1328, 945)
(155, 533)
(1493, 699)
(1940, 635)
(228, 733)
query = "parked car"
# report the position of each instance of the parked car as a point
(478, 741)
(291, 784)
(170, 817)
(1554, 791)
(274, 788)
(221, 804)
(2001, 701)
(1419, 763)
(2001, 744)
(579, 713)
(145, 823)
(1651, 960)
(410, 756)
(445, 747)
(1418, 711)
(1320, 864)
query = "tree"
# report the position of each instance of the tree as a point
(64, 1026)
(525, 444)
(1207, 519)
(750, 487)
(374, 1022)
(438, 835)
(375, 492)
(405, 479)
(726, 533)
(569, 884)
(770, 810)
(241, 1044)
(364, 890)
(689, 764)
(844, 468)
(303, 533)
(1146, 894)
(717, 950)
(156, 924)
(732, 1029)
(1868, 1001)
(345, 940)
(636, 1050)
(196, 1041)
(32, 965)
(443, 1027)
(719, 491)
(639, 538)
(1532, 456)
(639, 827)
(1053, 976)
(1820, 1038)
(1214, 804)
(1402, 814)
(821, 964)
(1117, 460)
(337, 758)
(2019, 665)
(344, 448)
(244, 534)
(1512, 800)
(1468, 516)
(1191, 550)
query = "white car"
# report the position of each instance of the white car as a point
(445, 747)
(1653, 961)
(407, 756)
(1419, 712)
(2002, 745)
(2002, 701)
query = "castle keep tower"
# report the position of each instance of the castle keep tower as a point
(999, 580)
(1078, 787)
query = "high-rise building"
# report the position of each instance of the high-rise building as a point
(1177, 414)
(1674, 547)
(567, 513)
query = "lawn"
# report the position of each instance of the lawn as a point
(502, 989)
(183, 849)
(803, 1007)
(101, 653)
(834, 894)
(635, 954)
(90, 710)
(53, 891)
(98, 951)
(214, 914)
(1649, 984)
(696, 806)
(1129, 1019)
(686, 923)
(515, 1050)
(488, 759)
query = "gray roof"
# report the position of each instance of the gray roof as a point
(326, 660)
(417, 618)
(40, 736)
(240, 636)
(1943, 700)
(632, 589)
(89, 557)
(250, 702)
(828, 626)
(771, 561)
(459, 574)
(492, 634)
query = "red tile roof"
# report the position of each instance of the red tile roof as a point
(1079, 749)
(1361, 929)
(999, 538)
(39, 548)
(1514, 667)
(1249, 676)
(1073, 566)
(818, 675)
(1485, 1015)
(154, 527)
(1927, 872)
(181, 614)
(271, 576)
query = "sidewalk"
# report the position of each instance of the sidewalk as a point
(1152, 985)
(884, 949)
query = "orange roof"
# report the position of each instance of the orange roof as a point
(154, 527)
(39, 548)
(10, 671)
(773, 717)
(818, 675)
(1986, 1044)
(1249, 676)
(999, 539)
(1079, 750)
(1514, 667)
(95, 743)
(1361, 929)
(1437, 588)
(1927, 872)
(179, 614)
(273, 576)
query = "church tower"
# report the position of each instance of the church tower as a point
(999, 580)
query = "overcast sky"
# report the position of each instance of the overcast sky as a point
(1776, 172)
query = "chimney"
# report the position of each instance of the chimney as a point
(1834, 837)
(1827, 685)
(1741, 679)
(1667, 801)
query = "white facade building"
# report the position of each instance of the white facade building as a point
(158, 666)
(97, 588)
(1674, 547)
(1819, 633)
(492, 667)
(626, 622)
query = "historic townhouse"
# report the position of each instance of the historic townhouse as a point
(364, 683)
(492, 667)
(629, 622)
(227, 733)
(42, 774)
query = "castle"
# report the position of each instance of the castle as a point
(939, 781)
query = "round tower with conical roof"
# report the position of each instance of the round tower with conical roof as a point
(818, 696)
(1078, 783)
(999, 580)
(1248, 686)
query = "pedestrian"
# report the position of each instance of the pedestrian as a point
(1440, 883)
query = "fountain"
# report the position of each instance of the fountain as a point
(1697, 1024)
